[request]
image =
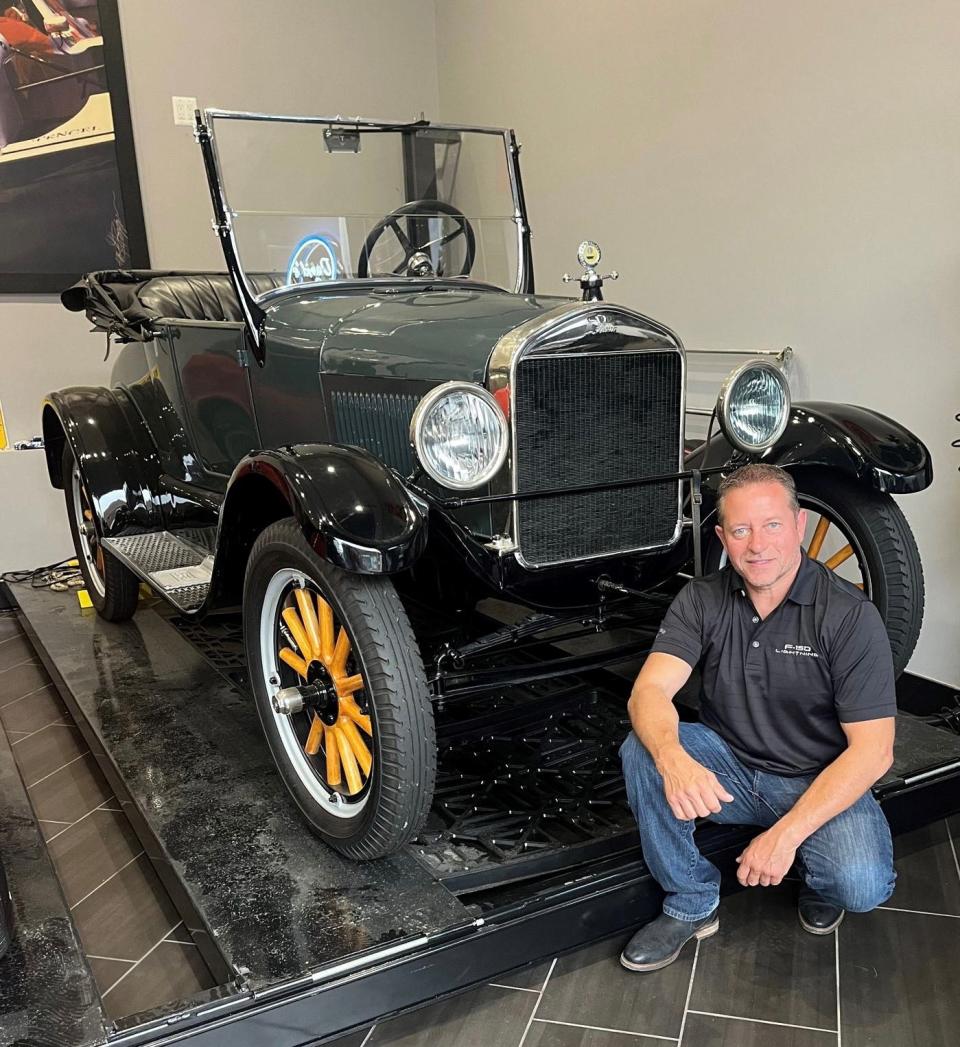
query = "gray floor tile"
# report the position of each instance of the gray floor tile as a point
(927, 877)
(762, 964)
(71, 792)
(13, 650)
(353, 1039)
(21, 680)
(170, 972)
(87, 853)
(479, 1018)
(589, 987)
(898, 978)
(127, 915)
(49, 828)
(713, 1031)
(549, 1034)
(526, 978)
(34, 711)
(106, 972)
(9, 626)
(47, 751)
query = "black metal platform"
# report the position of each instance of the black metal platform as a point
(306, 944)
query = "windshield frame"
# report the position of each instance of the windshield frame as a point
(252, 304)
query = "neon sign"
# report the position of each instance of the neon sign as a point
(314, 258)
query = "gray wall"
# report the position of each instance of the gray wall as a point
(366, 57)
(762, 174)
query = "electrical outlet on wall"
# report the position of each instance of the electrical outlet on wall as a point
(183, 109)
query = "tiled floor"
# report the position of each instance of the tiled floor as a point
(126, 923)
(885, 979)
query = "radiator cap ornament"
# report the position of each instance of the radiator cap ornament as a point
(591, 282)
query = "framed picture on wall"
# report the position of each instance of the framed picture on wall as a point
(69, 193)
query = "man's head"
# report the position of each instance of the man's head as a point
(761, 525)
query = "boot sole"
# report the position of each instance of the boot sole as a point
(810, 929)
(704, 932)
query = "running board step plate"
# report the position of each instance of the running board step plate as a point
(177, 565)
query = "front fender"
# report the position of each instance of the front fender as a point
(874, 449)
(354, 512)
(117, 459)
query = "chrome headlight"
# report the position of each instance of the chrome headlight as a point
(459, 434)
(754, 406)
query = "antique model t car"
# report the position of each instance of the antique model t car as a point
(372, 417)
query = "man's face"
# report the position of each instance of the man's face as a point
(761, 534)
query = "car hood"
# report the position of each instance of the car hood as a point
(432, 335)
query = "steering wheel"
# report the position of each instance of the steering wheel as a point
(420, 208)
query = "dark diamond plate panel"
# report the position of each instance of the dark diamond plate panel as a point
(596, 418)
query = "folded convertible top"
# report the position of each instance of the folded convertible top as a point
(128, 302)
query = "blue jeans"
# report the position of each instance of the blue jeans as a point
(848, 861)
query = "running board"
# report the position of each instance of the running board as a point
(178, 566)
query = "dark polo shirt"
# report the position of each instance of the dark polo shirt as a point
(777, 690)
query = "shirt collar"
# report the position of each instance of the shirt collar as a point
(803, 590)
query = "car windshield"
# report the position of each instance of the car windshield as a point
(316, 200)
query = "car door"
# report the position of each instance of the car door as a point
(203, 369)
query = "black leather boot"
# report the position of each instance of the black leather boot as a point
(817, 915)
(6, 914)
(659, 942)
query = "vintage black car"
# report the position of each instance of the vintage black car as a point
(371, 420)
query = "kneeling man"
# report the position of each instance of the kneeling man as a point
(796, 725)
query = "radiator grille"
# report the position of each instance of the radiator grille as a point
(380, 422)
(596, 418)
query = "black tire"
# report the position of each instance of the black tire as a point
(885, 552)
(398, 791)
(112, 587)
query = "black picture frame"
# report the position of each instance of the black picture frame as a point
(54, 278)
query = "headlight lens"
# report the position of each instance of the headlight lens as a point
(459, 434)
(754, 405)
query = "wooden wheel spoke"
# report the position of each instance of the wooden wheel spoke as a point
(349, 761)
(293, 660)
(309, 617)
(341, 653)
(326, 630)
(350, 708)
(357, 745)
(297, 631)
(312, 746)
(816, 542)
(333, 756)
(347, 685)
(839, 557)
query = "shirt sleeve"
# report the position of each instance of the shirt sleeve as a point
(681, 631)
(861, 665)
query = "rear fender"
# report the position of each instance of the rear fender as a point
(117, 459)
(353, 511)
(863, 444)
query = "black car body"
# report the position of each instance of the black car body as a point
(331, 445)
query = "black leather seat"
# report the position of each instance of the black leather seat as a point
(129, 302)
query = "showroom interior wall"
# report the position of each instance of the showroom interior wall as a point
(760, 174)
(364, 57)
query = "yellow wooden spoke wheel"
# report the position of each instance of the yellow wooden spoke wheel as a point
(341, 693)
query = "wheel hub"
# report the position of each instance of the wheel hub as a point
(325, 703)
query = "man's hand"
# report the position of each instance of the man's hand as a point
(691, 789)
(767, 859)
